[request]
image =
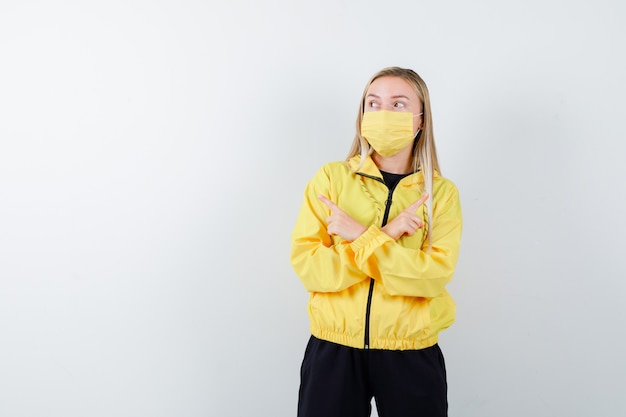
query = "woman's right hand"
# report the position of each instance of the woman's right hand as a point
(341, 223)
(407, 222)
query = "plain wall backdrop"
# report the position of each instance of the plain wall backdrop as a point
(153, 156)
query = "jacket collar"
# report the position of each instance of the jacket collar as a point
(370, 169)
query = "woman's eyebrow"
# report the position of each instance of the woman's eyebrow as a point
(397, 96)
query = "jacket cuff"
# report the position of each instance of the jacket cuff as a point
(373, 236)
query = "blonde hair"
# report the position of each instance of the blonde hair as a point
(424, 151)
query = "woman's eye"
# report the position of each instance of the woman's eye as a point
(399, 105)
(373, 105)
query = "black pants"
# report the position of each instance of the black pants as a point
(339, 381)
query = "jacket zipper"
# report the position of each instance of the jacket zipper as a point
(368, 309)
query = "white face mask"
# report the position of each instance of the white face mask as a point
(388, 132)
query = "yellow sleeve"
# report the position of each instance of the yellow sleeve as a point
(321, 264)
(417, 272)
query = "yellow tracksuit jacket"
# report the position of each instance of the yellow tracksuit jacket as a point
(374, 292)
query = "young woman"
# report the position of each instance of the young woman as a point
(375, 243)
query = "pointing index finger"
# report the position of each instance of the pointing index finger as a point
(413, 207)
(332, 206)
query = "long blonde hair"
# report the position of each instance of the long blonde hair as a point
(424, 151)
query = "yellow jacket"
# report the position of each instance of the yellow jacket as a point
(375, 292)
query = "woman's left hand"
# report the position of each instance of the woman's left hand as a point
(407, 222)
(341, 223)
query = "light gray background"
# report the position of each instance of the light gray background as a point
(153, 156)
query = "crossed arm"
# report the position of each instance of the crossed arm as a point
(342, 224)
(327, 265)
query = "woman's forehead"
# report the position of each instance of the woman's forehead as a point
(389, 87)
